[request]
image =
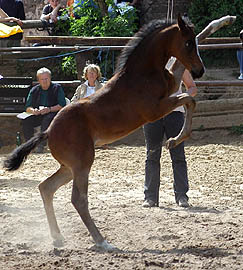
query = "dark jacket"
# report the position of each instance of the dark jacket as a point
(52, 95)
(14, 8)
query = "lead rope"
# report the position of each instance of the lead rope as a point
(170, 11)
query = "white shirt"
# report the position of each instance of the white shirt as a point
(90, 89)
(168, 65)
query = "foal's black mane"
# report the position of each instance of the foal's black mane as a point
(155, 25)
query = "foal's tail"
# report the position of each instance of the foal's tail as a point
(16, 158)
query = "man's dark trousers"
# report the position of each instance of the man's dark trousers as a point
(34, 121)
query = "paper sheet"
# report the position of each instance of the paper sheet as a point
(24, 115)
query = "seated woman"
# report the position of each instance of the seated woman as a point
(92, 75)
(51, 11)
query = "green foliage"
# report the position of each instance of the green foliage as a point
(237, 130)
(91, 23)
(61, 28)
(203, 12)
(117, 27)
(69, 66)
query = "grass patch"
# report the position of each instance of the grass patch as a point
(236, 130)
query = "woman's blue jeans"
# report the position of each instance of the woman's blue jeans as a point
(169, 126)
(240, 60)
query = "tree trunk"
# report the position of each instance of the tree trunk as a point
(103, 7)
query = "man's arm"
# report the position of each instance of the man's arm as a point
(52, 15)
(5, 18)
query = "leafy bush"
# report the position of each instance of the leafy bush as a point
(236, 130)
(203, 12)
(91, 23)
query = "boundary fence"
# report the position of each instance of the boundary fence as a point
(218, 113)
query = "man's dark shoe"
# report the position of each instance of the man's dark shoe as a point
(183, 202)
(149, 203)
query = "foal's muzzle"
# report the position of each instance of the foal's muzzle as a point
(197, 74)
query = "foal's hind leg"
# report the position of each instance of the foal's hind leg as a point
(79, 194)
(47, 189)
(80, 202)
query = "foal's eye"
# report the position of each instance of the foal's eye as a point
(189, 44)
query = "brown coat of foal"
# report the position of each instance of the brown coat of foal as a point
(138, 93)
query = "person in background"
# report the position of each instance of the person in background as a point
(43, 103)
(92, 75)
(51, 11)
(5, 18)
(12, 10)
(240, 57)
(170, 126)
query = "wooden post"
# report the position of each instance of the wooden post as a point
(209, 30)
(214, 26)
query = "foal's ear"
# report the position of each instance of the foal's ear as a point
(181, 23)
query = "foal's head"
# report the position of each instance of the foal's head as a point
(185, 49)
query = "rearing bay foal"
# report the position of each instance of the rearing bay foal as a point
(138, 93)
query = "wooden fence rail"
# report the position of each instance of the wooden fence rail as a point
(108, 41)
(106, 47)
(218, 113)
(221, 113)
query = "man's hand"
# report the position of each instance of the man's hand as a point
(18, 21)
(36, 111)
(44, 110)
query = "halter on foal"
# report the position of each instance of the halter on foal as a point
(138, 93)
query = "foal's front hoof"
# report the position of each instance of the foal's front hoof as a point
(106, 246)
(58, 240)
(58, 243)
(170, 143)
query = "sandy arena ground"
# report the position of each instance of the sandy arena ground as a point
(208, 235)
